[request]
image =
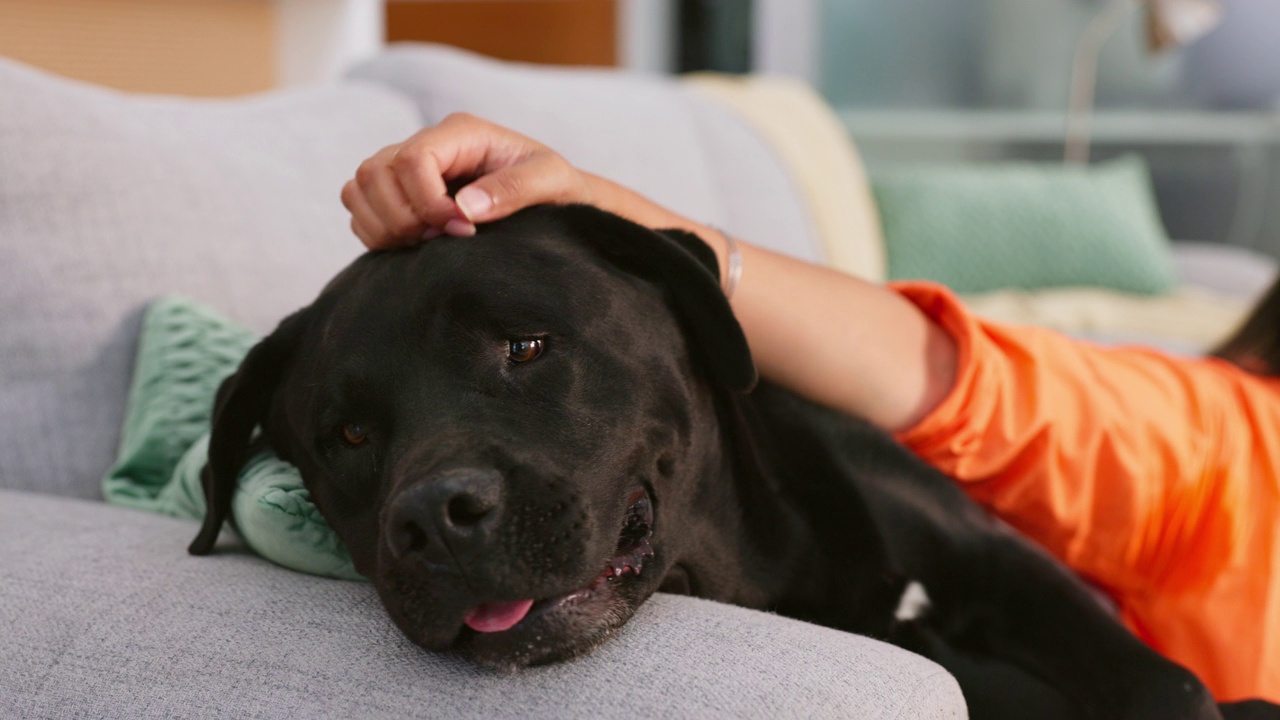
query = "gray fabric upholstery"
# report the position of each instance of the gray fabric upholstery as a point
(106, 616)
(653, 135)
(108, 200)
(1224, 269)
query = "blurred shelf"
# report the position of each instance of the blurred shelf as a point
(1109, 127)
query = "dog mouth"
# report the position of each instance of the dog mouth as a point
(633, 550)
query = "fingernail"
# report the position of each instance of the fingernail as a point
(460, 228)
(431, 233)
(473, 202)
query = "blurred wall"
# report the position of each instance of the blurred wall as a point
(561, 32)
(196, 47)
(317, 40)
(901, 53)
(979, 53)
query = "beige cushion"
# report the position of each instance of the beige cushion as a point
(813, 144)
(1188, 320)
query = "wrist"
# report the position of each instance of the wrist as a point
(728, 259)
(603, 194)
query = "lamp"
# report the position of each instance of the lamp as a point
(1174, 23)
(1170, 24)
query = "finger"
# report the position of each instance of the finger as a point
(383, 194)
(423, 185)
(349, 189)
(459, 146)
(440, 211)
(374, 236)
(386, 198)
(459, 228)
(464, 144)
(543, 178)
(364, 236)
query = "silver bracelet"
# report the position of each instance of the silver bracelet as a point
(734, 272)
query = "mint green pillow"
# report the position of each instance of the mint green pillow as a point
(979, 228)
(184, 352)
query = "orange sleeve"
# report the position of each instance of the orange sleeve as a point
(1154, 477)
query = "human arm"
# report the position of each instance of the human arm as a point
(1061, 439)
(1153, 476)
(830, 337)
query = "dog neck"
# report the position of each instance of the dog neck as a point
(788, 546)
(753, 547)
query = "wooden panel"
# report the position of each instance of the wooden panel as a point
(194, 47)
(560, 32)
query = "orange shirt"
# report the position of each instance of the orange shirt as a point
(1156, 478)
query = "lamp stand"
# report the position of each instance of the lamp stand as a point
(1084, 76)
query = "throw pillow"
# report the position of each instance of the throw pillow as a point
(184, 353)
(1025, 226)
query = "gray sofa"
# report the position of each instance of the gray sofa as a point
(108, 201)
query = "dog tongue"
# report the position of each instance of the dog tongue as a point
(497, 616)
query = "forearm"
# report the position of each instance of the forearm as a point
(833, 338)
(843, 342)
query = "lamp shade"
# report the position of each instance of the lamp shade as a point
(1175, 23)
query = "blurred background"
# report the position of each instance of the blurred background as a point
(913, 80)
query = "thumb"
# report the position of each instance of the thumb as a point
(545, 178)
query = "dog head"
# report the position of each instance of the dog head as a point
(511, 433)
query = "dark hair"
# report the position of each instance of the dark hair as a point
(1256, 345)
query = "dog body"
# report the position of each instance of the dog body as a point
(521, 436)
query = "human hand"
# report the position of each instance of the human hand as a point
(401, 193)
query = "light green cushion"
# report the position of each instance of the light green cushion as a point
(184, 352)
(979, 228)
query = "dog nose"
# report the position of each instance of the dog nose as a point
(451, 514)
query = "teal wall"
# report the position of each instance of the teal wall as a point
(978, 53)
(901, 53)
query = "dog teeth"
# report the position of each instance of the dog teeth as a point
(633, 541)
(633, 562)
(616, 570)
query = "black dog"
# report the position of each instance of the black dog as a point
(521, 436)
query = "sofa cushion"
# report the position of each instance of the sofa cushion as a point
(106, 616)
(108, 200)
(669, 142)
(1188, 321)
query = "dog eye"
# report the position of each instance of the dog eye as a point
(354, 434)
(522, 351)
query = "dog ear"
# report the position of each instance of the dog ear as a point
(694, 245)
(687, 269)
(242, 403)
(714, 329)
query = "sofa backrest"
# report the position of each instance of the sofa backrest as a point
(109, 200)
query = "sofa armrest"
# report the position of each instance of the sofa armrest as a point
(114, 619)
